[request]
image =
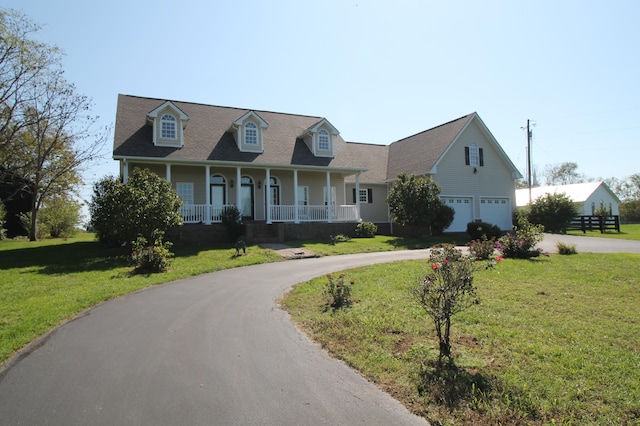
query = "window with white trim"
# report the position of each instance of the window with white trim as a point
(473, 154)
(185, 191)
(250, 134)
(323, 140)
(168, 127)
(364, 196)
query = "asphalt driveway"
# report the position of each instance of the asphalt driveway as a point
(211, 350)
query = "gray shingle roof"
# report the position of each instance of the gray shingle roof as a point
(207, 136)
(418, 154)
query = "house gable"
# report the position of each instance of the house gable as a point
(168, 122)
(249, 132)
(470, 145)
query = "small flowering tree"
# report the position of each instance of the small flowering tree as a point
(338, 291)
(447, 290)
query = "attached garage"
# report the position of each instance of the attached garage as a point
(496, 211)
(463, 207)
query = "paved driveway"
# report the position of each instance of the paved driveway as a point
(212, 350)
(590, 244)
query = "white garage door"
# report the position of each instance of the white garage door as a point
(496, 211)
(463, 206)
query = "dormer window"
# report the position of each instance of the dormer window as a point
(319, 138)
(323, 140)
(168, 124)
(250, 134)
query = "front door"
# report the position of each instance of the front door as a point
(246, 197)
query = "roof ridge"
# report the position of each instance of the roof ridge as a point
(435, 127)
(222, 106)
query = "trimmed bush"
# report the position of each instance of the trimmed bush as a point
(477, 229)
(366, 230)
(150, 258)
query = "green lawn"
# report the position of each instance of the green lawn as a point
(627, 232)
(554, 341)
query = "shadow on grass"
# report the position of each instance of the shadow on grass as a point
(66, 258)
(451, 386)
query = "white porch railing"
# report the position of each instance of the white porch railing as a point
(197, 213)
(286, 213)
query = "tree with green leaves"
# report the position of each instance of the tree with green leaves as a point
(60, 216)
(47, 136)
(146, 206)
(415, 201)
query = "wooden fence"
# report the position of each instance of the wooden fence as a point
(595, 223)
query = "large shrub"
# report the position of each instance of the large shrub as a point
(144, 206)
(554, 212)
(415, 201)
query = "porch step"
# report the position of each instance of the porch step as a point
(261, 232)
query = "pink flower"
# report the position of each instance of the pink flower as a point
(499, 259)
(446, 261)
(434, 266)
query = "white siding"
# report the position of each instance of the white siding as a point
(493, 179)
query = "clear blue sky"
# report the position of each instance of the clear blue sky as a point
(378, 70)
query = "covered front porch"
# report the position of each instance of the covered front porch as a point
(272, 195)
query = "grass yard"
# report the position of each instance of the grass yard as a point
(627, 232)
(554, 341)
(378, 244)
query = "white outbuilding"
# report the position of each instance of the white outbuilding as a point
(590, 196)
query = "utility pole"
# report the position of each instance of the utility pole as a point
(529, 178)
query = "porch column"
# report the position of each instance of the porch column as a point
(267, 195)
(125, 171)
(238, 189)
(358, 198)
(296, 216)
(329, 209)
(207, 195)
(168, 172)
